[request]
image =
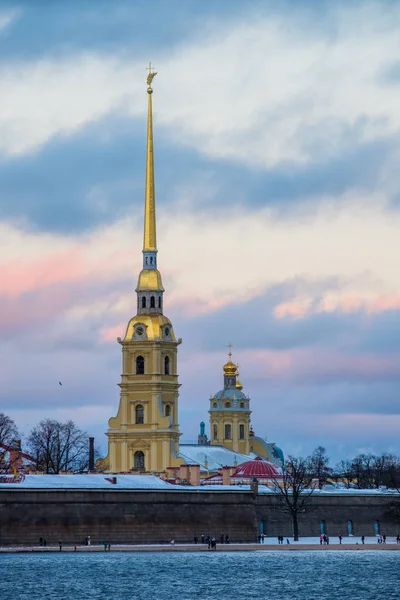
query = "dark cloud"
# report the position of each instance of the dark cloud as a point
(78, 181)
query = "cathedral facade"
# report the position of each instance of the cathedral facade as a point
(144, 435)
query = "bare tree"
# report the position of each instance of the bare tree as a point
(387, 471)
(318, 465)
(8, 430)
(363, 466)
(294, 489)
(59, 446)
(8, 436)
(344, 473)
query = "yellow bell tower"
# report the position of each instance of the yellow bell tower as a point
(145, 433)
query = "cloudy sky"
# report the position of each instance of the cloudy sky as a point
(277, 154)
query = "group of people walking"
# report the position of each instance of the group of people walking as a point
(212, 541)
(324, 539)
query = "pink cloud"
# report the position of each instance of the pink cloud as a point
(110, 334)
(347, 304)
(305, 364)
(28, 275)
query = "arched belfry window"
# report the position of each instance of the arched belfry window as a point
(215, 431)
(159, 302)
(167, 410)
(228, 431)
(152, 302)
(140, 365)
(138, 460)
(143, 302)
(227, 404)
(139, 415)
(241, 431)
(166, 365)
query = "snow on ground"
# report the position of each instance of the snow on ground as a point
(332, 540)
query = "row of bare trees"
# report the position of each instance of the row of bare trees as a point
(54, 446)
(302, 475)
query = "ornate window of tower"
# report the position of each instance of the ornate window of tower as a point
(227, 404)
(166, 365)
(152, 302)
(140, 365)
(228, 431)
(159, 302)
(138, 460)
(167, 410)
(143, 302)
(241, 431)
(215, 431)
(139, 415)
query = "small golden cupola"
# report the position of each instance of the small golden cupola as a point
(230, 367)
(239, 385)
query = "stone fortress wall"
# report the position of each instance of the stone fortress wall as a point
(134, 517)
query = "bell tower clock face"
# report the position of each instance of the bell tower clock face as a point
(139, 332)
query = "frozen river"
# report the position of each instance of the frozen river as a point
(301, 575)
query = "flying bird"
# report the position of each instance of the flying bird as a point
(59, 383)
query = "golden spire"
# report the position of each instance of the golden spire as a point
(149, 238)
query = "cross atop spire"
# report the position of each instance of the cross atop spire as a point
(150, 76)
(230, 349)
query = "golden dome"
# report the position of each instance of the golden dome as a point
(149, 280)
(154, 325)
(230, 367)
(238, 383)
(251, 431)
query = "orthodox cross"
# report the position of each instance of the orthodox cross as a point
(230, 349)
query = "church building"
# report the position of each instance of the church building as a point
(144, 435)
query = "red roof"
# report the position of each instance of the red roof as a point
(262, 469)
(257, 467)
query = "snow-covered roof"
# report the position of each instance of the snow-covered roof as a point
(216, 456)
(95, 481)
(337, 492)
(150, 482)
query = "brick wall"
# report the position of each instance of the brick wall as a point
(159, 516)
